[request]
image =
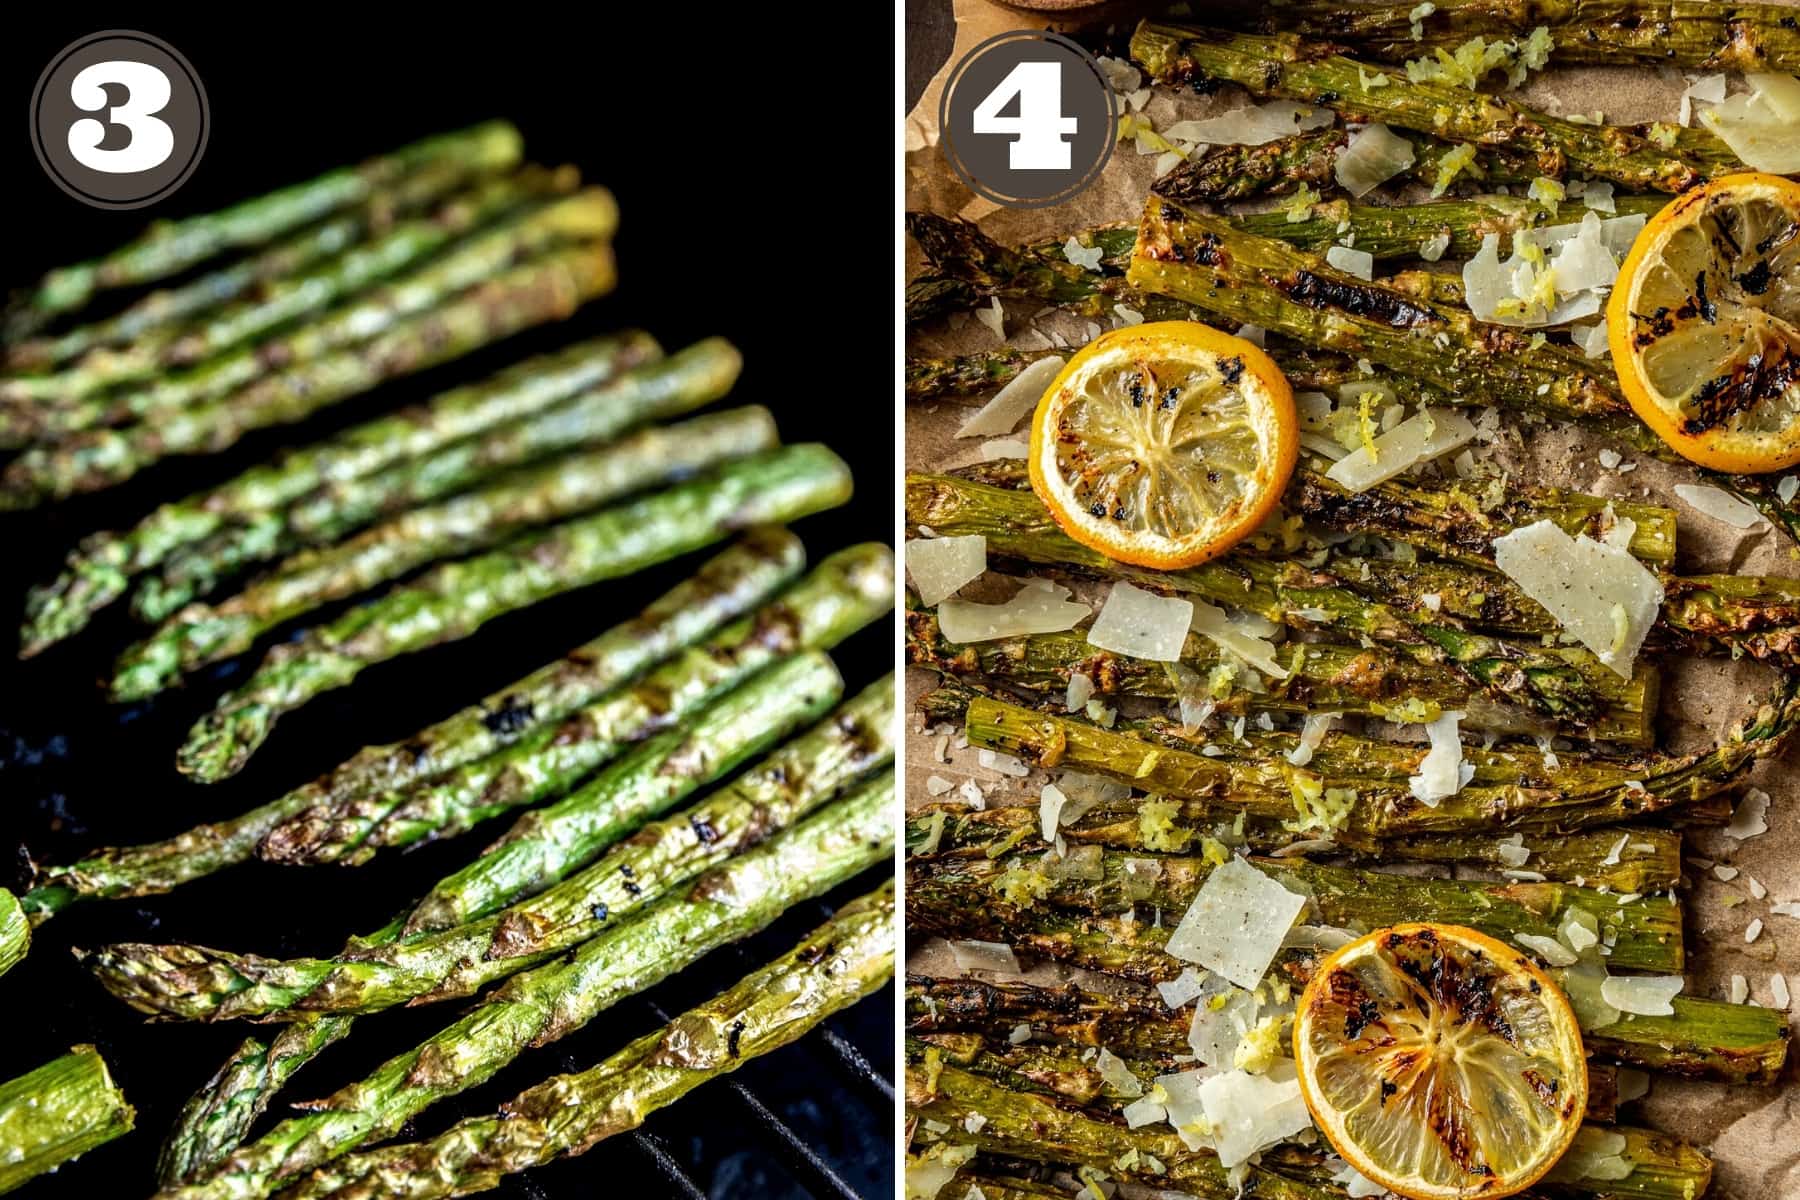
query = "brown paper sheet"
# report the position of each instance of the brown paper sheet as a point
(1752, 1132)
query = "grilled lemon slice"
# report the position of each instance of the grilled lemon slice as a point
(1704, 324)
(1163, 445)
(1441, 1064)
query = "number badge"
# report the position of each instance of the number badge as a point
(1027, 119)
(119, 119)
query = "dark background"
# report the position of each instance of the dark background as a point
(721, 144)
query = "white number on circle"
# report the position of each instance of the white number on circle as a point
(1038, 130)
(147, 92)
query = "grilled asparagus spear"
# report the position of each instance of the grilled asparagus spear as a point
(725, 587)
(170, 247)
(1039, 1129)
(569, 1114)
(393, 800)
(101, 567)
(586, 216)
(1558, 685)
(453, 601)
(1627, 859)
(1658, 156)
(294, 253)
(546, 288)
(49, 405)
(1377, 810)
(1708, 37)
(657, 456)
(1322, 677)
(648, 933)
(392, 967)
(688, 379)
(1644, 935)
(1706, 1039)
(15, 931)
(59, 1111)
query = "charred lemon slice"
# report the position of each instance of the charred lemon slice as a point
(1441, 1064)
(1704, 324)
(1164, 444)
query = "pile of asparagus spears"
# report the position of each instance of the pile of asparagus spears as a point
(679, 781)
(1393, 609)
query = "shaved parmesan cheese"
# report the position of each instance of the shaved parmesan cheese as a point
(1584, 262)
(1443, 771)
(1002, 414)
(1548, 949)
(1128, 316)
(1710, 88)
(1183, 989)
(1359, 263)
(1596, 1153)
(941, 566)
(1724, 873)
(1750, 818)
(984, 956)
(1142, 624)
(1114, 1072)
(1372, 156)
(1252, 126)
(1762, 126)
(1598, 195)
(1313, 732)
(1252, 333)
(1719, 505)
(937, 785)
(1050, 806)
(1086, 257)
(1004, 448)
(1020, 1035)
(1420, 438)
(1006, 764)
(1612, 856)
(1784, 491)
(1786, 908)
(1181, 1101)
(1081, 689)
(1091, 789)
(1594, 339)
(1119, 74)
(1222, 1017)
(1236, 923)
(1754, 930)
(1512, 850)
(1356, 1184)
(1778, 987)
(1600, 594)
(1431, 250)
(1642, 995)
(1145, 1111)
(1249, 1113)
(1210, 622)
(994, 317)
(1038, 607)
(929, 1173)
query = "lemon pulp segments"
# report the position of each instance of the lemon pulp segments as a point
(1163, 444)
(1441, 1063)
(1705, 324)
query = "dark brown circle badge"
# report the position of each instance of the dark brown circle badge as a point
(119, 119)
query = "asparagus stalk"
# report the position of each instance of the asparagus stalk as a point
(58, 1112)
(476, 520)
(1705, 1039)
(647, 934)
(355, 815)
(451, 602)
(586, 216)
(98, 570)
(1658, 156)
(1277, 168)
(294, 253)
(48, 404)
(1558, 685)
(543, 289)
(688, 379)
(1381, 809)
(1709, 37)
(1039, 1129)
(533, 911)
(171, 247)
(1236, 276)
(15, 931)
(569, 1114)
(1646, 933)
(724, 587)
(1322, 677)
(1626, 859)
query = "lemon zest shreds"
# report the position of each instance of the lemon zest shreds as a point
(1157, 827)
(1450, 166)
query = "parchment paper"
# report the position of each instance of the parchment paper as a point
(1752, 1132)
